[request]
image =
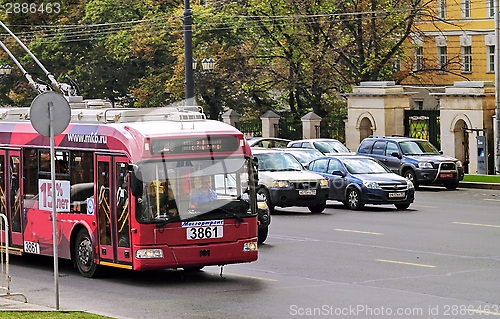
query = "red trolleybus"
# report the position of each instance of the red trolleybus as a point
(125, 182)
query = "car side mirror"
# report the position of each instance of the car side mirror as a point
(338, 173)
(396, 154)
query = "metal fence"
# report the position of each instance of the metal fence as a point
(4, 260)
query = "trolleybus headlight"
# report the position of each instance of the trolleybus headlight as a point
(148, 253)
(251, 246)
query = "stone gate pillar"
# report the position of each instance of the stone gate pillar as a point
(270, 122)
(231, 117)
(310, 125)
(467, 108)
(375, 108)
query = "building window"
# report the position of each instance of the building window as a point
(466, 59)
(419, 59)
(418, 104)
(465, 9)
(442, 9)
(442, 58)
(491, 58)
(490, 7)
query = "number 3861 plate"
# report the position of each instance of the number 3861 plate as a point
(204, 232)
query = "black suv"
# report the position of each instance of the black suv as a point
(416, 159)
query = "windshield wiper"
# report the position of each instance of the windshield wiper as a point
(289, 169)
(168, 221)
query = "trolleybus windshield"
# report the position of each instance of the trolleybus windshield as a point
(173, 190)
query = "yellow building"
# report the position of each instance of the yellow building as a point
(455, 42)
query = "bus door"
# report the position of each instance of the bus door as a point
(12, 194)
(113, 209)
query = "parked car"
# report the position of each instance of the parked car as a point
(304, 155)
(268, 142)
(327, 146)
(358, 180)
(284, 182)
(416, 159)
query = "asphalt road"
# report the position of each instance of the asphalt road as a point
(440, 258)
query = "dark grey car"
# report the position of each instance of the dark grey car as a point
(416, 159)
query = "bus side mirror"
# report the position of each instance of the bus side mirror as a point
(255, 162)
(135, 185)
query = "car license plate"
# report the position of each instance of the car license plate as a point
(305, 192)
(193, 233)
(443, 175)
(396, 195)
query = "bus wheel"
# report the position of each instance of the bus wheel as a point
(262, 234)
(84, 256)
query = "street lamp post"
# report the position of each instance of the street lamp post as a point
(188, 53)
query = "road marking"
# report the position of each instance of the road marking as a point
(492, 199)
(472, 224)
(358, 231)
(404, 263)
(485, 312)
(252, 277)
(424, 206)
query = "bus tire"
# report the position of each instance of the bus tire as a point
(84, 255)
(262, 234)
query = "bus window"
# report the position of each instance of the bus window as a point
(82, 167)
(61, 165)
(30, 172)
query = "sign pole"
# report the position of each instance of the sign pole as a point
(54, 201)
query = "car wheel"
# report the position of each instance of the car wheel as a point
(317, 209)
(263, 235)
(354, 199)
(402, 206)
(410, 175)
(84, 256)
(451, 185)
(265, 193)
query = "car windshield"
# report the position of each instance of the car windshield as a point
(331, 147)
(306, 156)
(364, 166)
(418, 148)
(278, 162)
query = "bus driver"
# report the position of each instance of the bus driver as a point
(204, 193)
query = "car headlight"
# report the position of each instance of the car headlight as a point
(425, 164)
(458, 164)
(410, 184)
(323, 183)
(372, 185)
(262, 205)
(281, 183)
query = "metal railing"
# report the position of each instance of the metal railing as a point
(4, 260)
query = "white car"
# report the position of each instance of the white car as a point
(327, 146)
(284, 182)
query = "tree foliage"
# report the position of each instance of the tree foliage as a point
(285, 55)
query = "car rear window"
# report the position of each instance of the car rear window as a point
(365, 147)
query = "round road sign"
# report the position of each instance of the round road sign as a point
(40, 113)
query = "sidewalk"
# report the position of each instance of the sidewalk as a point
(13, 303)
(479, 185)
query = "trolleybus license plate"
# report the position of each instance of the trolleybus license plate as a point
(204, 232)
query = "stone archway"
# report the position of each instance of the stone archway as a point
(461, 141)
(365, 128)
